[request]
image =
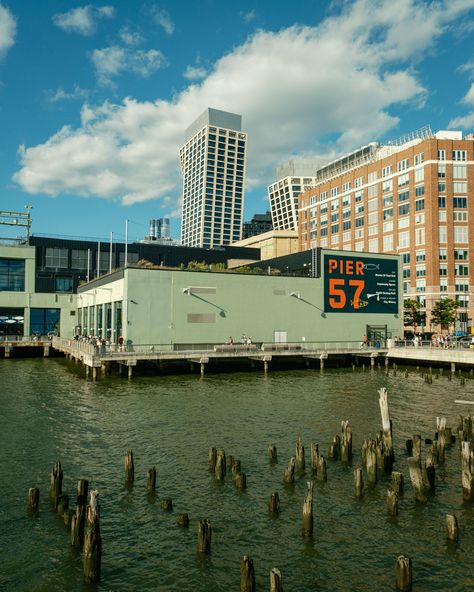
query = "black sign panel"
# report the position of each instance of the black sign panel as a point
(360, 284)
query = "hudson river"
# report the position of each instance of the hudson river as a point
(49, 412)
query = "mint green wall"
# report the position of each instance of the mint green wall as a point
(242, 304)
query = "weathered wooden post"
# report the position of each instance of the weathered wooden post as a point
(56, 481)
(129, 467)
(321, 473)
(272, 453)
(467, 474)
(151, 480)
(416, 477)
(276, 584)
(387, 431)
(289, 474)
(441, 428)
(314, 456)
(417, 447)
(358, 482)
(334, 452)
(241, 481)
(247, 574)
(392, 503)
(371, 465)
(82, 491)
(204, 536)
(452, 530)
(33, 499)
(166, 504)
(62, 504)
(346, 442)
(300, 464)
(212, 458)
(220, 469)
(404, 576)
(397, 483)
(308, 511)
(274, 503)
(183, 520)
(235, 468)
(77, 526)
(92, 541)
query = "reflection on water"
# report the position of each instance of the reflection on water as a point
(49, 414)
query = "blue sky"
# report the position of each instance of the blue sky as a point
(94, 98)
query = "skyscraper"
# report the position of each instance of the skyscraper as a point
(213, 162)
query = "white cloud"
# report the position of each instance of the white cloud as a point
(162, 18)
(130, 37)
(195, 73)
(293, 87)
(7, 30)
(114, 60)
(77, 93)
(248, 16)
(82, 20)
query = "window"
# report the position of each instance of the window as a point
(419, 236)
(461, 254)
(359, 196)
(386, 171)
(443, 254)
(406, 258)
(420, 271)
(404, 239)
(388, 243)
(403, 196)
(359, 222)
(421, 285)
(441, 154)
(359, 182)
(387, 226)
(441, 187)
(461, 285)
(403, 223)
(387, 186)
(359, 209)
(372, 191)
(79, 259)
(443, 269)
(346, 225)
(419, 205)
(373, 230)
(403, 180)
(346, 187)
(420, 256)
(387, 201)
(459, 171)
(443, 285)
(334, 191)
(419, 158)
(460, 187)
(441, 171)
(461, 269)
(441, 202)
(63, 284)
(460, 234)
(373, 245)
(459, 155)
(12, 275)
(443, 234)
(419, 175)
(372, 206)
(404, 209)
(388, 214)
(372, 218)
(459, 202)
(56, 257)
(402, 165)
(419, 191)
(406, 272)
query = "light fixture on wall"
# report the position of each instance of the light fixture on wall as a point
(186, 291)
(296, 295)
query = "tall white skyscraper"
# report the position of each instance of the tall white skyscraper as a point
(213, 163)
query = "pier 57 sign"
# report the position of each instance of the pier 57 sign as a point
(360, 284)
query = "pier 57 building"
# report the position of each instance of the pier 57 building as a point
(414, 198)
(325, 297)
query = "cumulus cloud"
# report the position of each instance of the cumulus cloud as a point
(130, 37)
(112, 61)
(7, 30)
(293, 87)
(83, 20)
(162, 18)
(195, 73)
(248, 16)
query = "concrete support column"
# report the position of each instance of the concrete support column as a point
(202, 368)
(46, 351)
(453, 367)
(265, 366)
(87, 371)
(372, 362)
(94, 373)
(386, 361)
(130, 372)
(7, 351)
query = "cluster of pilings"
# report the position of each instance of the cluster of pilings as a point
(83, 521)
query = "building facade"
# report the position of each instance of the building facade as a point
(258, 224)
(414, 198)
(293, 178)
(213, 164)
(274, 243)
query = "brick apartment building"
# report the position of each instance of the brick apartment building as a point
(415, 198)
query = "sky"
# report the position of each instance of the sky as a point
(95, 98)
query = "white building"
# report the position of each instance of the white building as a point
(293, 178)
(213, 163)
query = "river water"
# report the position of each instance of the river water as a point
(50, 413)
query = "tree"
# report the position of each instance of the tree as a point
(412, 316)
(444, 313)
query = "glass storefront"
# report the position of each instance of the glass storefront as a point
(44, 320)
(11, 322)
(12, 275)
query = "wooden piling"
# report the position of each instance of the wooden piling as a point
(151, 480)
(204, 536)
(33, 499)
(417, 447)
(416, 477)
(247, 574)
(300, 464)
(308, 511)
(452, 530)
(358, 482)
(62, 504)
(321, 473)
(397, 483)
(392, 503)
(274, 503)
(314, 456)
(404, 576)
(77, 526)
(129, 467)
(82, 492)
(166, 504)
(92, 541)
(276, 584)
(371, 466)
(241, 481)
(289, 474)
(212, 458)
(467, 472)
(220, 469)
(387, 431)
(272, 453)
(334, 452)
(56, 481)
(183, 520)
(346, 442)
(235, 468)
